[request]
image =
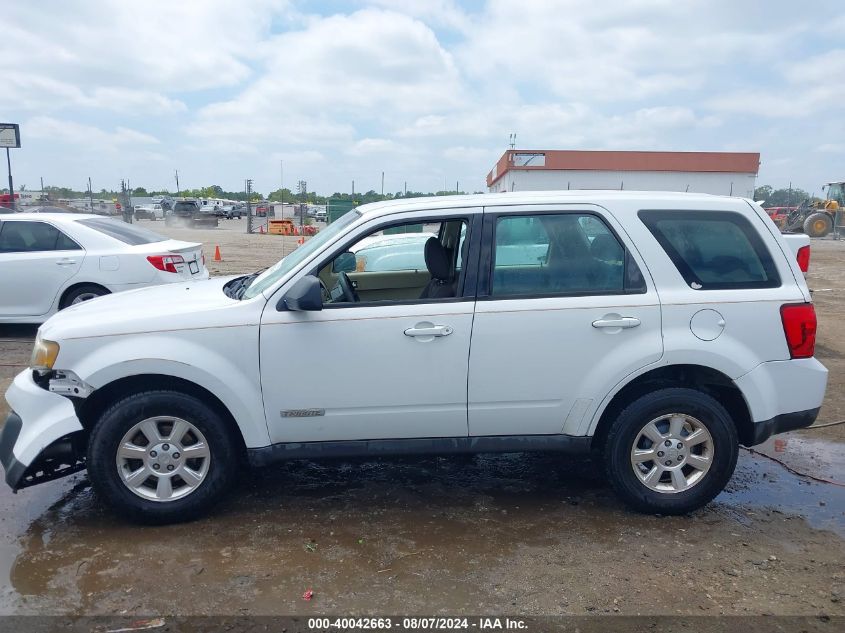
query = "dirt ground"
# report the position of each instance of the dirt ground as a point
(502, 534)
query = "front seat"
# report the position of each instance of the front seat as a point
(439, 266)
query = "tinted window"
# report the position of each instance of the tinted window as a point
(27, 237)
(185, 207)
(119, 230)
(713, 249)
(567, 253)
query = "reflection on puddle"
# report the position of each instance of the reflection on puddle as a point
(468, 513)
(762, 483)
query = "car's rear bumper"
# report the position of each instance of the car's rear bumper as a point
(783, 395)
(36, 441)
(783, 423)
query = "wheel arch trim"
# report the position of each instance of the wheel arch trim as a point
(253, 429)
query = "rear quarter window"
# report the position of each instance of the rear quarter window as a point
(713, 250)
(123, 232)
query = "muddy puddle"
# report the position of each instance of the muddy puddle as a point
(514, 533)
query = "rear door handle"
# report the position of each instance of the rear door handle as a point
(425, 330)
(622, 322)
(65, 262)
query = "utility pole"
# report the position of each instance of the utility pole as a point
(406, 188)
(42, 186)
(11, 186)
(177, 183)
(457, 187)
(302, 188)
(248, 189)
(90, 195)
(353, 191)
(126, 201)
(382, 183)
(282, 183)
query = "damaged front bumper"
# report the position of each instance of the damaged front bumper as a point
(41, 438)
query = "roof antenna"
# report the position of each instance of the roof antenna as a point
(512, 139)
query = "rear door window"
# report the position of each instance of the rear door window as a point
(713, 250)
(552, 254)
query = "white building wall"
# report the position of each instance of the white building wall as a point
(698, 182)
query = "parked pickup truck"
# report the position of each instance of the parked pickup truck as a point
(653, 330)
(149, 212)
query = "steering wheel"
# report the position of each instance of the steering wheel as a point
(348, 290)
(324, 291)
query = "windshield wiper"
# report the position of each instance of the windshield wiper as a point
(238, 288)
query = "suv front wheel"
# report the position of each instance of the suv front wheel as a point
(671, 451)
(161, 457)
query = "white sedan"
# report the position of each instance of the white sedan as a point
(49, 261)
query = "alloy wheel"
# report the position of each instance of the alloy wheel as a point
(163, 458)
(672, 453)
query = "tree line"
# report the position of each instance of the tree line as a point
(279, 195)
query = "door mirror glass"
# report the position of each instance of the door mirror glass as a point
(305, 294)
(344, 263)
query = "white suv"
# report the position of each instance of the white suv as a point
(656, 329)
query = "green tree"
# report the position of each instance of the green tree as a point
(139, 191)
(771, 197)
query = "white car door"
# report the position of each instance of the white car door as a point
(563, 314)
(36, 259)
(391, 365)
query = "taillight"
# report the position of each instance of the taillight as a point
(803, 257)
(799, 326)
(166, 263)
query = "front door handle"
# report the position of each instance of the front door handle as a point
(428, 330)
(620, 322)
(65, 262)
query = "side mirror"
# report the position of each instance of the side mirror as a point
(344, 263)
(304, 295)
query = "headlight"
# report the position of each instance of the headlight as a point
(43, 355)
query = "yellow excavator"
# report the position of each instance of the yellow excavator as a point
(817, 218)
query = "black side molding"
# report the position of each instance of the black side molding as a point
(419, 446)
(783, 423)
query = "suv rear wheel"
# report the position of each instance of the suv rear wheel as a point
(671, 451)
(161, 457)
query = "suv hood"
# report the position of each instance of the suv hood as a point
(175, 306)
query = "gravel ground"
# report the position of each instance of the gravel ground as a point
(503, 534)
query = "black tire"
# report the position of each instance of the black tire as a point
(818, 224)
(90, 291)
(625, 430)
(118, 419)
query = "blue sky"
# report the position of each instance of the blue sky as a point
(427, 92)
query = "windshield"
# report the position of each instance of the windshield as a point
(126, 233)
(285, 265)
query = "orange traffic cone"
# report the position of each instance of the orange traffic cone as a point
(217, 257)
(301, 240)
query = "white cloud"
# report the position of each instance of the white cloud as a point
(154, 44)
(72, 133)
(371, 65)
(424, 91)
(433, 12)
(809, 86)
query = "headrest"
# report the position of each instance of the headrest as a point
(437, 259)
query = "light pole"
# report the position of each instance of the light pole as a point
(11, 185)
(248, 188)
